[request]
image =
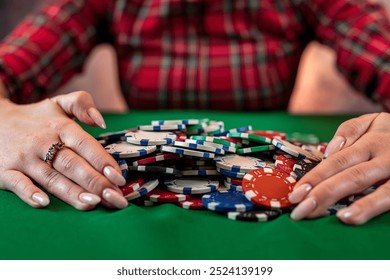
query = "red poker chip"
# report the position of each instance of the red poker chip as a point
(192, 203)
(181, 136)
(322, 147)
(268, 187)
(270, 134)
(160, 195)
(132, 186)
(156, 158)
(234, 181)
(285, 163)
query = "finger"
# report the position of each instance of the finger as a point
(350, 181)
(349, 132)
(367, 207)
(24, 188)
(327, 168)
(80, 105)
(87, 147)
(62, 187)
(79, 171)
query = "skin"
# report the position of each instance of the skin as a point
(357, 157)
(76, 175)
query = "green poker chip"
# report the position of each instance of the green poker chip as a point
(251, 137)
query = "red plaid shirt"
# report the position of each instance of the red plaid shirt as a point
(198, 54)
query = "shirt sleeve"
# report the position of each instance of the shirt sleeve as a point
(359, 32)
(47, 49)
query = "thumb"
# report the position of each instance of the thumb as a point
(80, 104)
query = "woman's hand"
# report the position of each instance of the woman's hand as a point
(81, 174)
(357, 157)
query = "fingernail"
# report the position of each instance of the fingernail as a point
(347, 213)
(40, 199)
(299, 193)
(114, 176)
(303, 209)
(89, 198)
(97, 117)
(334, 146)
(115, 198)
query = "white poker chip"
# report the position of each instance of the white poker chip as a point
(163, 127)
(207, 143)
(146, 188)
(187, 152)
(192, 186)
(127, 150)
(196, 146)
(184, 121)
(237, 163)
(148, 138)
(293, 150)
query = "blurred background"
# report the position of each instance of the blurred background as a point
(319, 88)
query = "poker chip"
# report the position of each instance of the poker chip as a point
(215, 140)
(164, 127)
(269, 134)
(293, 150)
(231, 173)
(149, 138)
(234, 181)
(124, 167)
(268, 187)
(256, 149)
(200, 172)
(285, 163)
(156, 158)
(198, 147)
(206, 143)
(237, 163)
(114, 136)
(232, 187)
(192, 203)
(188, 152)
(132, 186)
(146, 188)
(313, 149)
(251, 137)
(303, 166)
(255, 216)
(127, 150)
(304, 138)
(156, 169)
(185, 122)
(192, 186)
(160, 195)
(226, 201)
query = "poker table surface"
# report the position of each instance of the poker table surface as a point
(167, 231)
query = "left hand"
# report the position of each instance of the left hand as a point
(357, 158)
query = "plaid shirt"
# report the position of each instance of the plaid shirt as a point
(198, 54)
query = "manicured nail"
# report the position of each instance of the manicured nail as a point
(303, 209)
(40, 199)
(347, 213)
(334, 146)
(114, 176)
(115, 198)
(97, 117)
(299, 193)
(89, 198)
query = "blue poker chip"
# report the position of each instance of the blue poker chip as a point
(234, 130)
(184, 121)
(124, 168)
(163, 127)
(227, 201)
(231, 174)
(187, 152)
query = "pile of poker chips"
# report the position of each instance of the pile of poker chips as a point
(197, 164)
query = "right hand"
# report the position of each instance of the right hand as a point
(82, 174)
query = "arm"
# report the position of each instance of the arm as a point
(359, 32)
(46, 50)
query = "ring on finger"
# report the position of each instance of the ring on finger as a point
(51, 153)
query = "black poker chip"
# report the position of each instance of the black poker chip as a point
(255, 216)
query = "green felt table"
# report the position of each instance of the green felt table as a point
(170, 232)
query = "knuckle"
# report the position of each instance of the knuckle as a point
(351, 127)
(51, 178)
(95, 183)
(68, 162)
